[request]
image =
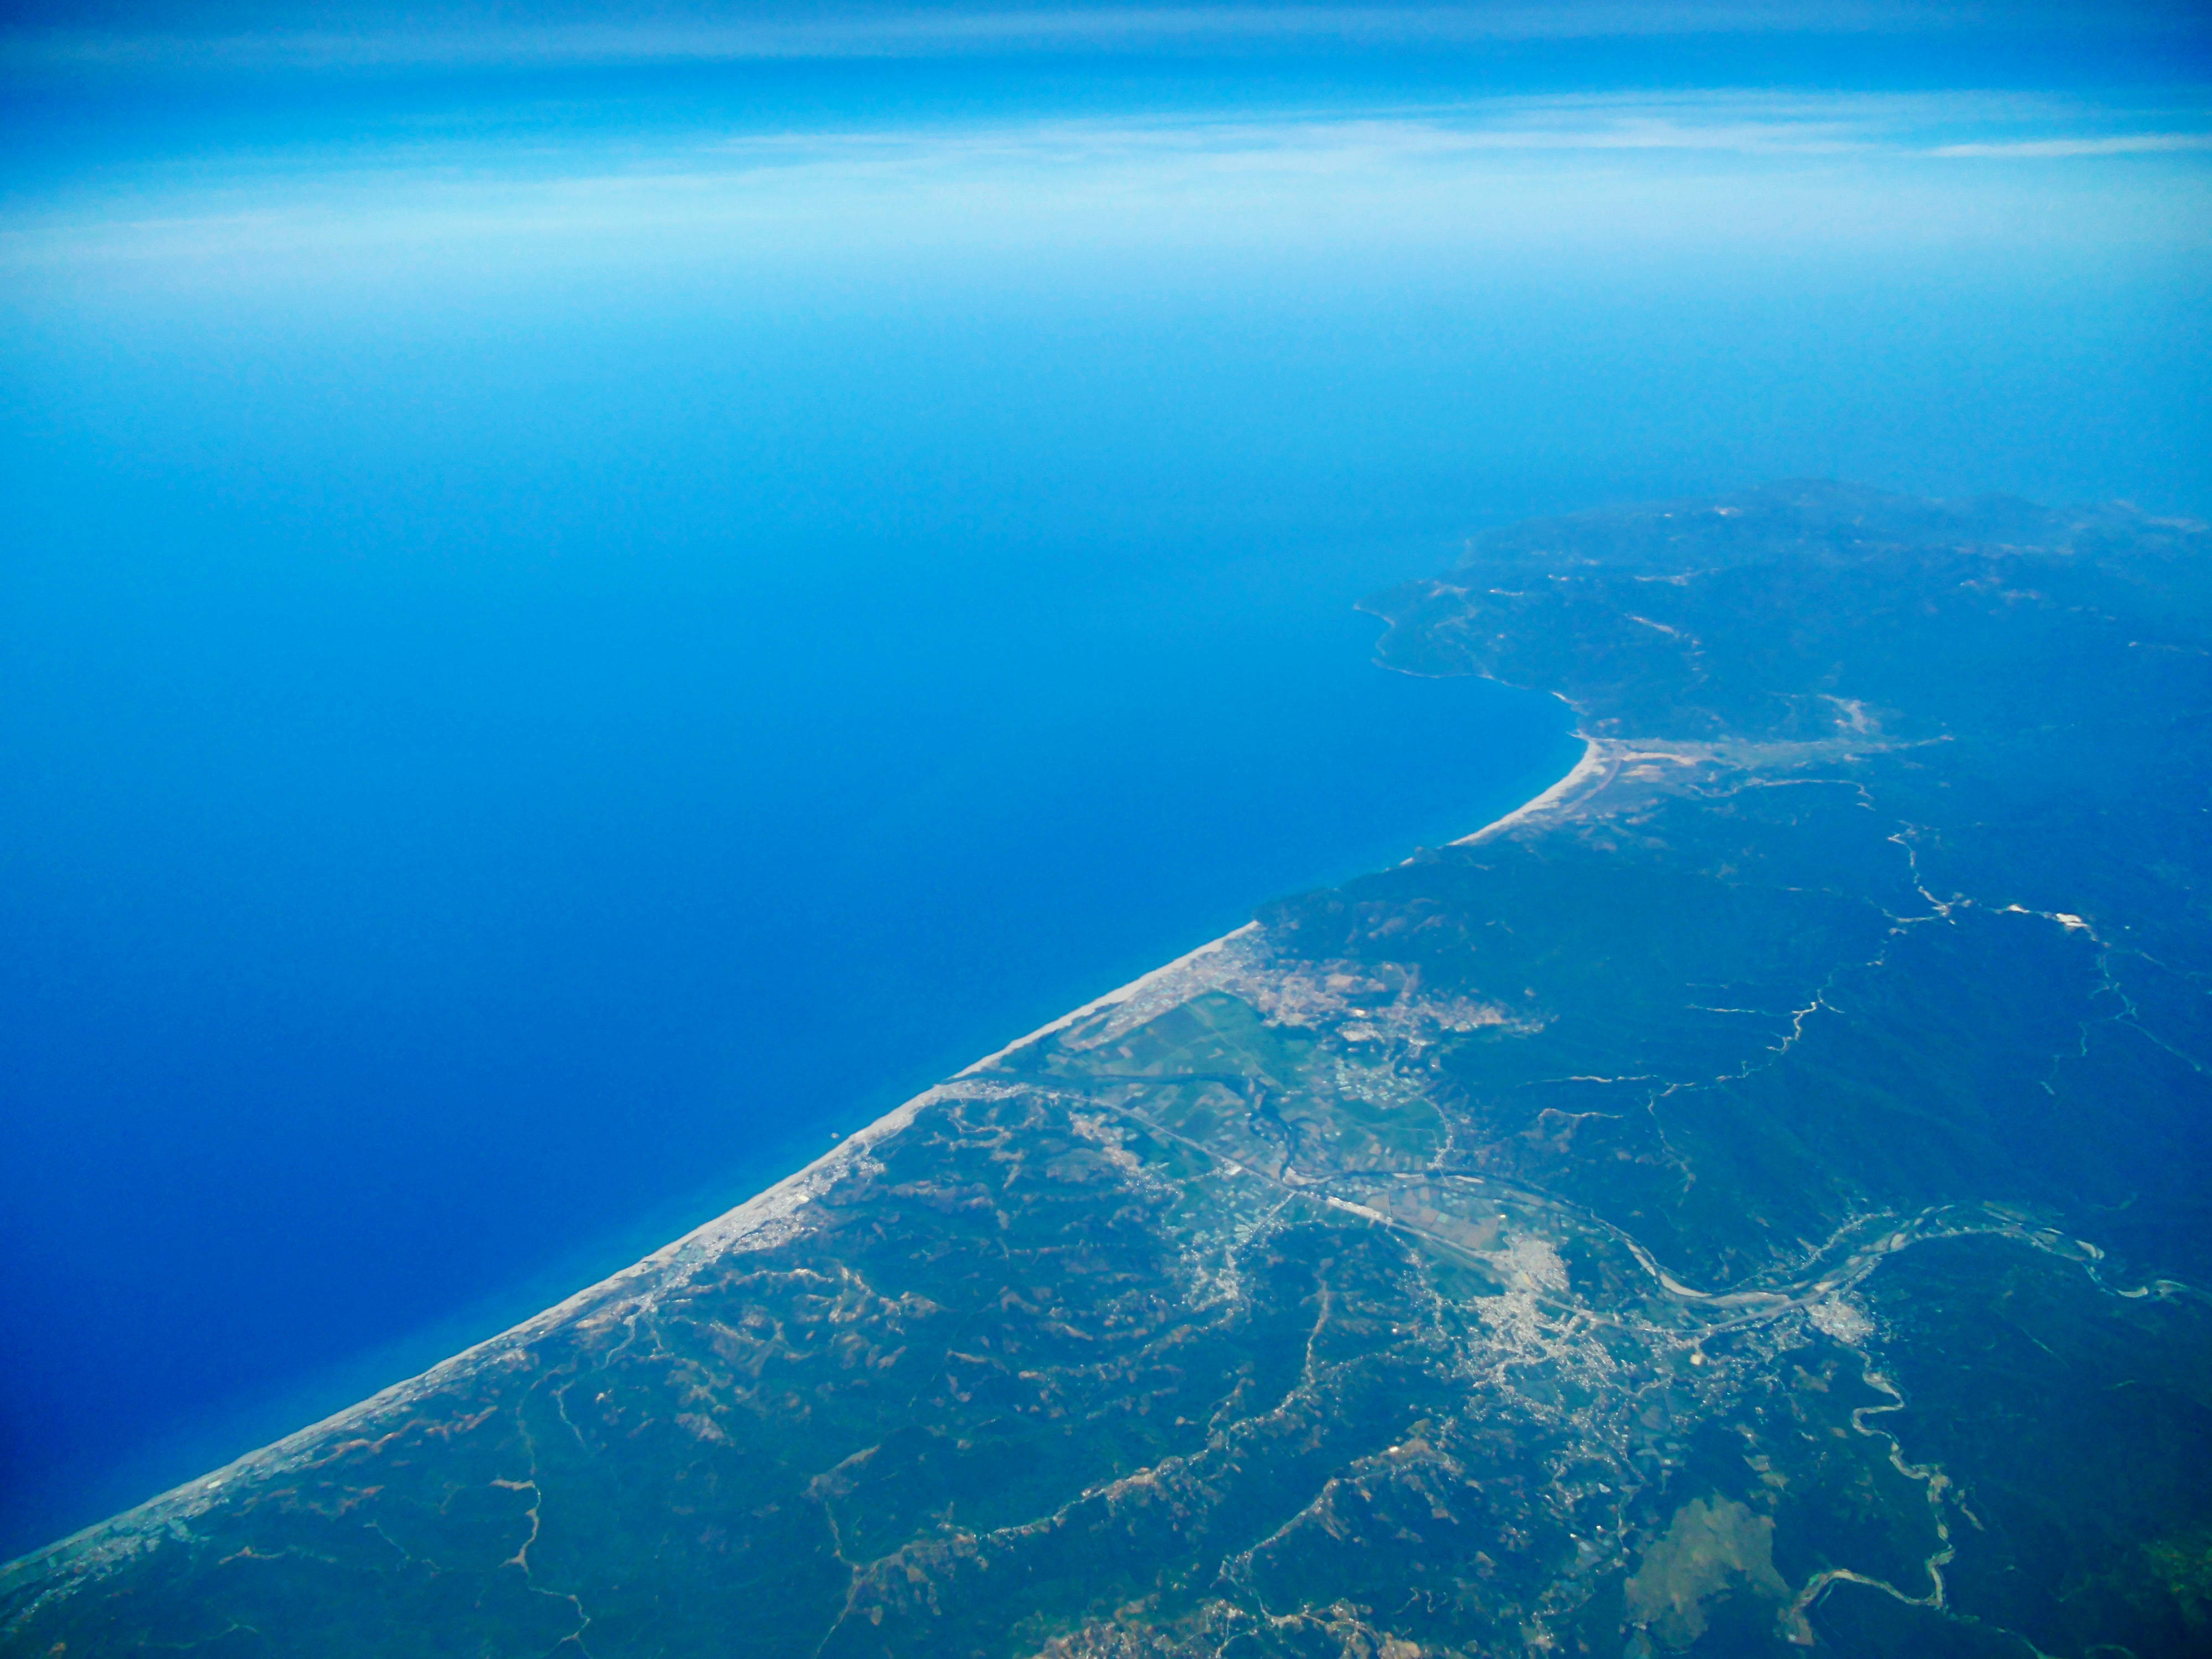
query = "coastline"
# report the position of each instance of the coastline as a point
(1120, 994)
(1589, 774)
(637, 1285)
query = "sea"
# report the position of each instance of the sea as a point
(399, 944)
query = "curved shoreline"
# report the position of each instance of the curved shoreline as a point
(1589, 775)
(123, 1533)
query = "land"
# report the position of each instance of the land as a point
(1752, 1200)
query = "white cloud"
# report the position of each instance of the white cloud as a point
(1588, 177)
(2136, 143)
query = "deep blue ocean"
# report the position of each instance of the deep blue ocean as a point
(400, 938)
(561, 645)
(389, 960)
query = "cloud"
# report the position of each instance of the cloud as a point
(2136, 143)
(1583, 176)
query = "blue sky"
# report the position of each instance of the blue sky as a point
(181, 144)
(597, 32)
(1946, 288)
(236, 144)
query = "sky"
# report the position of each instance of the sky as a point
(1901, 187)
(589, 595)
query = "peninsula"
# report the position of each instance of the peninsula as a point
(1752, 1199)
